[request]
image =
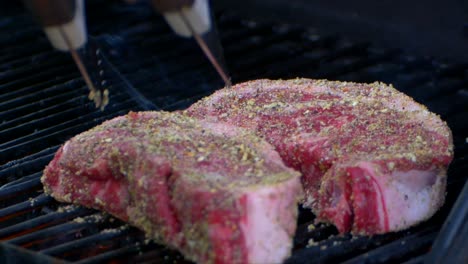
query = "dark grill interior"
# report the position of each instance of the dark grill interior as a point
(43, 102)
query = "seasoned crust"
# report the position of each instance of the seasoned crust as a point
(377, 109)
(318, 124)
(195, 186)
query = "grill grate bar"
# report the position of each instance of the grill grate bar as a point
(88, 241)
(296, 63)
(26, 206)
(52, 128)
(34, 69)
(187, 48)
(21, 180)
(41, 92)
(171, 68)
(167, 52)
(119, 253)
(332, 68)
(33, 182)
(46, 112)
(51, 122)
(170, 72)
(52, 100)
(25, 50)
(16, 93)
(43, 221)
(249, 46)
(340, 248)
(191, 61)
(189, 79)
(159, 254)
(408, 246)
(27, 165)
(29, 144)
(21, 62)
(90, 222)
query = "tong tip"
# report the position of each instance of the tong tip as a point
(208, 53)
(100, 98)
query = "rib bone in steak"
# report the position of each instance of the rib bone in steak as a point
(373, 160)
(215, 192)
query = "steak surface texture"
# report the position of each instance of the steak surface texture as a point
(372, 159)
(217, 193)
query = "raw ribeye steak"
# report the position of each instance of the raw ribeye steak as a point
(373, 160)
(217, 193)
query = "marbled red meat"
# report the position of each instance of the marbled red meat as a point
(372, 159)
(215, 192)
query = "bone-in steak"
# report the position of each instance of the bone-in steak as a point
(217, 193)
(373, 160)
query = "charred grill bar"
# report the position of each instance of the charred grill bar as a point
(43, 102)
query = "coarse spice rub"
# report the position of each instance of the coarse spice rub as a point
(213, 191)
(373, 160)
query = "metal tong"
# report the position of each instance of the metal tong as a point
(63, 22)
(192, 18)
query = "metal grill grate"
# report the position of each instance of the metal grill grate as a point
(43, 103)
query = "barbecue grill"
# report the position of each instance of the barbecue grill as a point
(43, 102)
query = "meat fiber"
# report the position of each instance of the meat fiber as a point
(372, 159)
(217, 193)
